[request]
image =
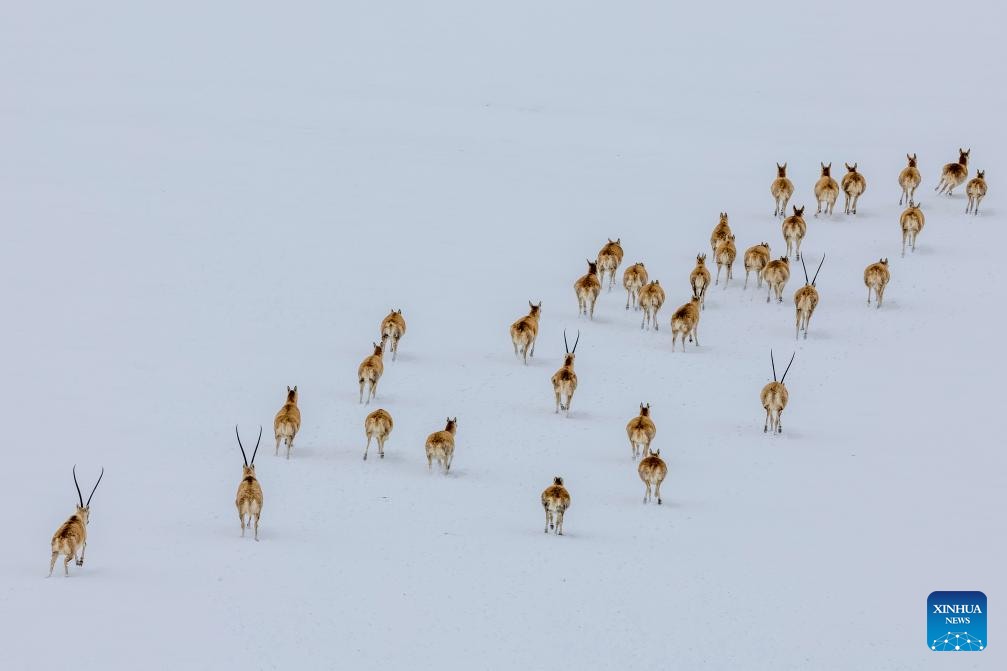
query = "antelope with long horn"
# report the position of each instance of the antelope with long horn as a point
(954, 174)
(774, 398)
(794, 229)
(722, 231)
(724, 256)
(287, 422)
(393, 327)
(911, 221)
(249, 498)
(699, 279)
(641, 430)
(826, 191)
(71, 536)
(378, 426)
(653, 471)
(976, 191)
(370, 371)
(588, 287)
(853, 185)
(524, 332)
(776, 273)
(633, 280)
(876, 277)
(909, 180)
(685, 322)
(651, 300)
(609, 259)
(556, 501)
(564, 381)
(440, 445)
(806, 300)
(756, 258)
(782, 189)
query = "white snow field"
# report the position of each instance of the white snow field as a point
(205, 202)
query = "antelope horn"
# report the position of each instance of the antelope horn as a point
(788, 367)
(240, 446)
(79, 496)
(815, 278)
(771, 361)
(566, 345)
(805, 271)
(575, 343)
(96, 485)
(256, 446)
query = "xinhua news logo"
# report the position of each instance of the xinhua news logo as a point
(956, 621)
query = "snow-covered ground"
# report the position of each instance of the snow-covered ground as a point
(206, 202)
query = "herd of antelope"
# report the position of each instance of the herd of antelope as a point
(643, 294)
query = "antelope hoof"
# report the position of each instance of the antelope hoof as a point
(659, 502)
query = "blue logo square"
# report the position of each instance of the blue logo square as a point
(956, 621)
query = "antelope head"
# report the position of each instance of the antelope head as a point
(84, 509)
(570, 353)
(248, 470)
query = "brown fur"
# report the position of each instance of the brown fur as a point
(699, 279)
(555, 501)
(805, 302)
(909, 179)
(781, 189)
(564, 384)
(826, 191)
(954, 174)
(794, 229)
(370, 371)
(722, 231)
(724, 256)
(653, 471)
(440, 445)
(609, 259)
(587, 288)
(524, 332)
(774, 399)
(249, 499)
(911, 220)
(378, 426)
(685, 322)
(633, 280)
(287, 422)
(68, 539)
(756, 258)
(854, 186)
(651, 300)
(976, 191)
(776, 275)
(876, 278)
(641, 430)
(393, 327)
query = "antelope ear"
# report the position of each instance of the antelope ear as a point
(288, 389)
(295, 388)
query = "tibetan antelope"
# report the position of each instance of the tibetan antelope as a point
(826, 191)
(685, 322)
(609, 260)
(371, 370)
(794, 229)
(954, 174)
(722, 231)
(249, 498)
(912, 223)
(774, 398)
(393, 327)
(724, 256)
(564, 381)
(633, 280)
(653, 471)
(440, 445)
(72, 534)
(378, 426)
(524, 332)
(854, 186)
(756, 258)
(287, 422)
(782, 189)
(588, 287)
(641, 431)
(806, 300)
(909, 179)
(556, 501)
(876, 278)
(976, 191)
(651, 300)
(776, 274)
(699, 279)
